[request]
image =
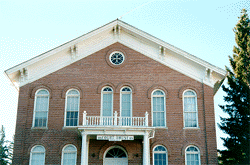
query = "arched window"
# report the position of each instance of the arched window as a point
(190, 109)
(192, 155)
(158, 108)
(72, 107)
(41, 108)
(126, 105)
(115, 155)
(37, 155)
(160, 155)
(107, 106)
(116, 152)
(69, 154)
(107, 101)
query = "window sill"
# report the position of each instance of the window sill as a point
(37, 128)
(70, 127)
(160, 127)
(194, 128)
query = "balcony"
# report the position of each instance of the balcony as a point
(114, 121)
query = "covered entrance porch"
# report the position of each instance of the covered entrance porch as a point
(115, 145)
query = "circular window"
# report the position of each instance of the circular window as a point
(116, 58)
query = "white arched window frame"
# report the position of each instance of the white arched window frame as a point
(41, 108)
(119, 153)
(192, 156)
(107, 106)
(160, 155)
(72, 104)
(37, 155)
(190, 110)
(69, 155)
(126, 105)
(107, 101)
(158, 108)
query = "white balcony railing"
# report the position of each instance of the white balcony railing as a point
(115, 120)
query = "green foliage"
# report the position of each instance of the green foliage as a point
(237, 125)
(240, 61)
(5, 150)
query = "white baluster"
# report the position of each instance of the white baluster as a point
(84, 118)
(146, 119)
(115, 120)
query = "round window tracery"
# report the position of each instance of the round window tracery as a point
(116, 152)
(116, 58)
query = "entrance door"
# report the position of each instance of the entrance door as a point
(115, 155)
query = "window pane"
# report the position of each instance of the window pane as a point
(107, 89)
(69, 155)
(158, 108)
(72, 108)
(189, 104)
(160, 158)
(42, 92)
(190, 111)
(192, 156)
(158, 93)
(107, 105)
(126, 89)
(41, 110)
(40, 119)
(37, 155)
(38, 159)
(189, 93)
(72, 103)
(69, 158)
(159, 148)
(72, 119)
(38, 149)
(42, 103)
(158, 117)
(126, 105)
(73, 92)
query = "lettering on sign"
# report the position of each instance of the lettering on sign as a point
(114, 137)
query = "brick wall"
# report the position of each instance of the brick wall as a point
(89, 75)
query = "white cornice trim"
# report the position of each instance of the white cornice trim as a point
(60, 48)
(170, 47)
(138, 36)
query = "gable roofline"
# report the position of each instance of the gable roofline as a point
(67, 44)
(172, 47)
(129, 29)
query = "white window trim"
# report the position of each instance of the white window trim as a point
(123, 92)
(198, 152)
(104, 155)
(103, 92)
(161, 153)
(65, 108)
(31, 152)
(163, 105)
(197, 123)
(119, 53)
(34, 110)
(69, 152)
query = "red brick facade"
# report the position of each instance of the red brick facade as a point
(89, 75)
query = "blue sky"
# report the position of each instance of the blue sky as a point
(29, 28)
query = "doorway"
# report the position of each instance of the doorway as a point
(115, 155)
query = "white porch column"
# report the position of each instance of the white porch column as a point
(146, 153)
(84, 154)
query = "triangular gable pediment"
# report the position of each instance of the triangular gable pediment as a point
(115, 31)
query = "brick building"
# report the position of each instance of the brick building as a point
(116, 95)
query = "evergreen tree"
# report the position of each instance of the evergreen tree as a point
(237, 125)
(4, 150)
(241, 58)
